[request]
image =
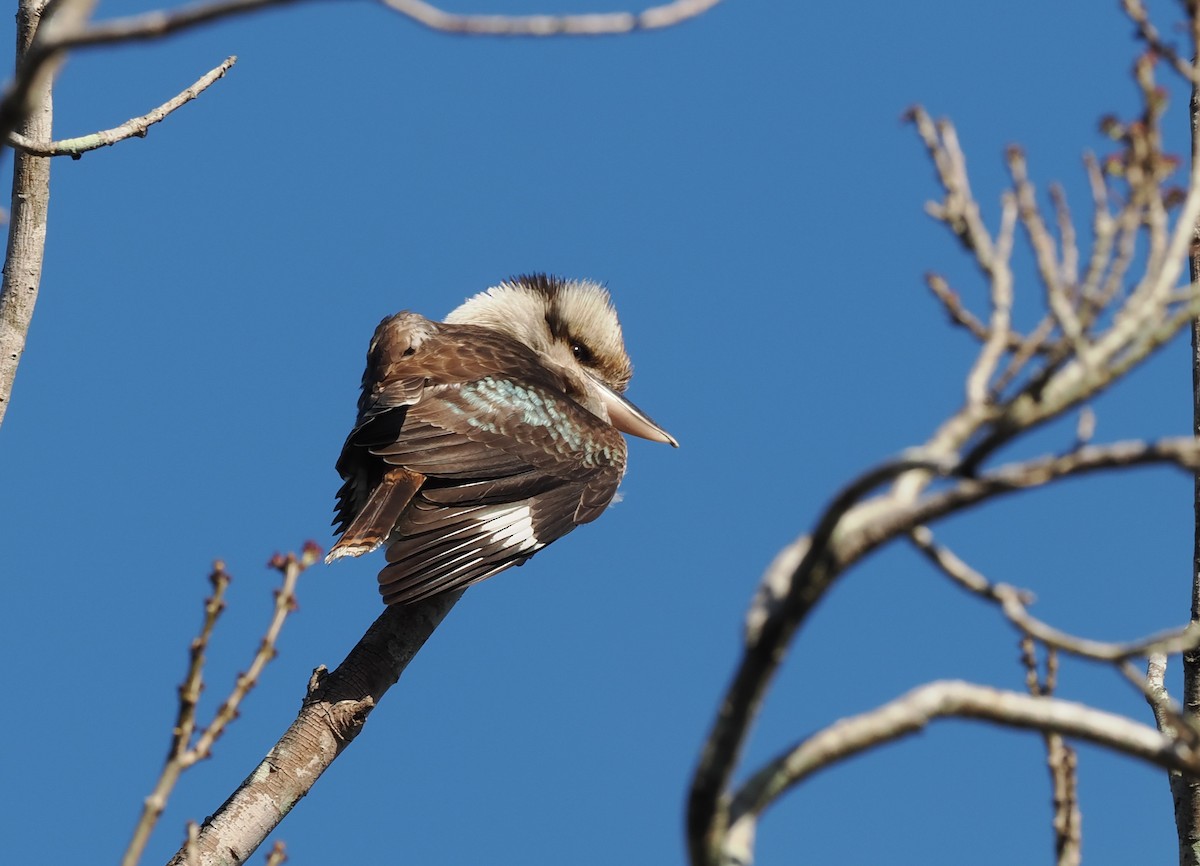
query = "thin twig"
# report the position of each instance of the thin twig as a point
(1060, 760)
(1045, 254)
(1000, 324)
(1104, 227)
(1063, 763)
(1177, 641)
(1149, 33)
(958, 209)
(960, 212)
(953, 567)
(1069, 270)
(958, 314)
(183, 753)
(193, 681)
(291, 567)
(1032, 345)
(135, 127)
(1013, 601)
(1126, 227)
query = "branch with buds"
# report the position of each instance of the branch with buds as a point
(189, 744)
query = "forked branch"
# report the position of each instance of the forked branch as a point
(334, 711)
(1095, 324)
(188, 747)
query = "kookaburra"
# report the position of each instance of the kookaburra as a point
(482, 439)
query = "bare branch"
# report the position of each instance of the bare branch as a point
(1035, 683)
(146, 26)
(794, 583)
(1063, 763)
(778, 584)
(1106, 329)
(804, 572)
(958, 209)
(910, 713)
(1000, 324)
(959, 314)
(950, 565)
(193, 682)
(154, 25)
(333, 713)
(1044, 251)
(1032, 345)
(964, 318)
(285, 604)
(182, 753)
(1169, 719)
(49, 47)
(1168, 715)
(1104, 228)
(597, 24)
(135, 127)
(1060, 760)
(1013, 601)
(1175, 641)
(1149, 34)
(1121, 248)
(876, 521)
(1069, 271)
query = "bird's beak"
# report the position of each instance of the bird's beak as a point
(629, 418)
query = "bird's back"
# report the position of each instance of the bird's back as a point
(468, 455)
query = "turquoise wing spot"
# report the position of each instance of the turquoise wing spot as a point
(489, 396)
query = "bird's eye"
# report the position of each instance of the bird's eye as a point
(581, 352)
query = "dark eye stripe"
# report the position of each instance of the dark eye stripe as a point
(581, 352)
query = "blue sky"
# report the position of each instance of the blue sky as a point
(746, 188)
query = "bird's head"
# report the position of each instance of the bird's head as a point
(573, 327)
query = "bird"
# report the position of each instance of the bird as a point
(485, 437)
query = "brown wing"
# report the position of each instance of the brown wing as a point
(508, 461)
(374, 494)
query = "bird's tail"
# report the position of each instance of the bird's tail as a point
(379, 514)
